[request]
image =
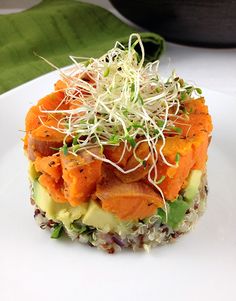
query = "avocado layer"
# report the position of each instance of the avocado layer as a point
(192, 188)
(91, 213)
(56, 211)
(98, 218)
(33, 174)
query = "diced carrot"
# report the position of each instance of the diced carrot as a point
(50, 165)
(55, 189)
(128, 201)
(80, 173)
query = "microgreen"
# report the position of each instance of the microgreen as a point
(183, 95)
(140, 99)
(144, 162)
(132, 92)
(64, 149)
(114, 139)
(131, 141)
(160, 123)
(88, 62)
(75, 140)
(176, 129)
(177, 158)
(160, 180)
(199, 91)
(57, 231)
(78, 227)
(106, 72)
(137, 126)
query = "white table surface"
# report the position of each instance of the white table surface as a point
(208, 68)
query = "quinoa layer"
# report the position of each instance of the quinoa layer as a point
(145, 234)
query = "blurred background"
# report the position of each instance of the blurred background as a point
(200, 35)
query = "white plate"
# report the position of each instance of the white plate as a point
(199, 266)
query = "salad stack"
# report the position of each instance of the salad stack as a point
(117, 154)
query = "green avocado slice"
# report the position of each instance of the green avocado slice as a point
(176, 212)
(192, 188)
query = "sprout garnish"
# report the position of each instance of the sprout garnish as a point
(119, 99)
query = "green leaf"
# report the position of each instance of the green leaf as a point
(79, 228)
(114, 139)
(159, 89)
(181, 82)
(162, 178)
(131, 141)
(125, 112)
(189, 89)
(136, 125)
(137, 56)
(176, 129)
(185, 111)
(199, 91)
(160, 123)
(75, 140)
(67, 125)
(144, 162)
(57, 231)
(132, 89)
(106, 72)
(156, 132)
(183, 95)
(162, 214)
(76, 148)
(91, 121)
(99, 129)
(140, 99)
(55, 148)
(65, 149)
(177, 158)
(176, 212)
(88, 62)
